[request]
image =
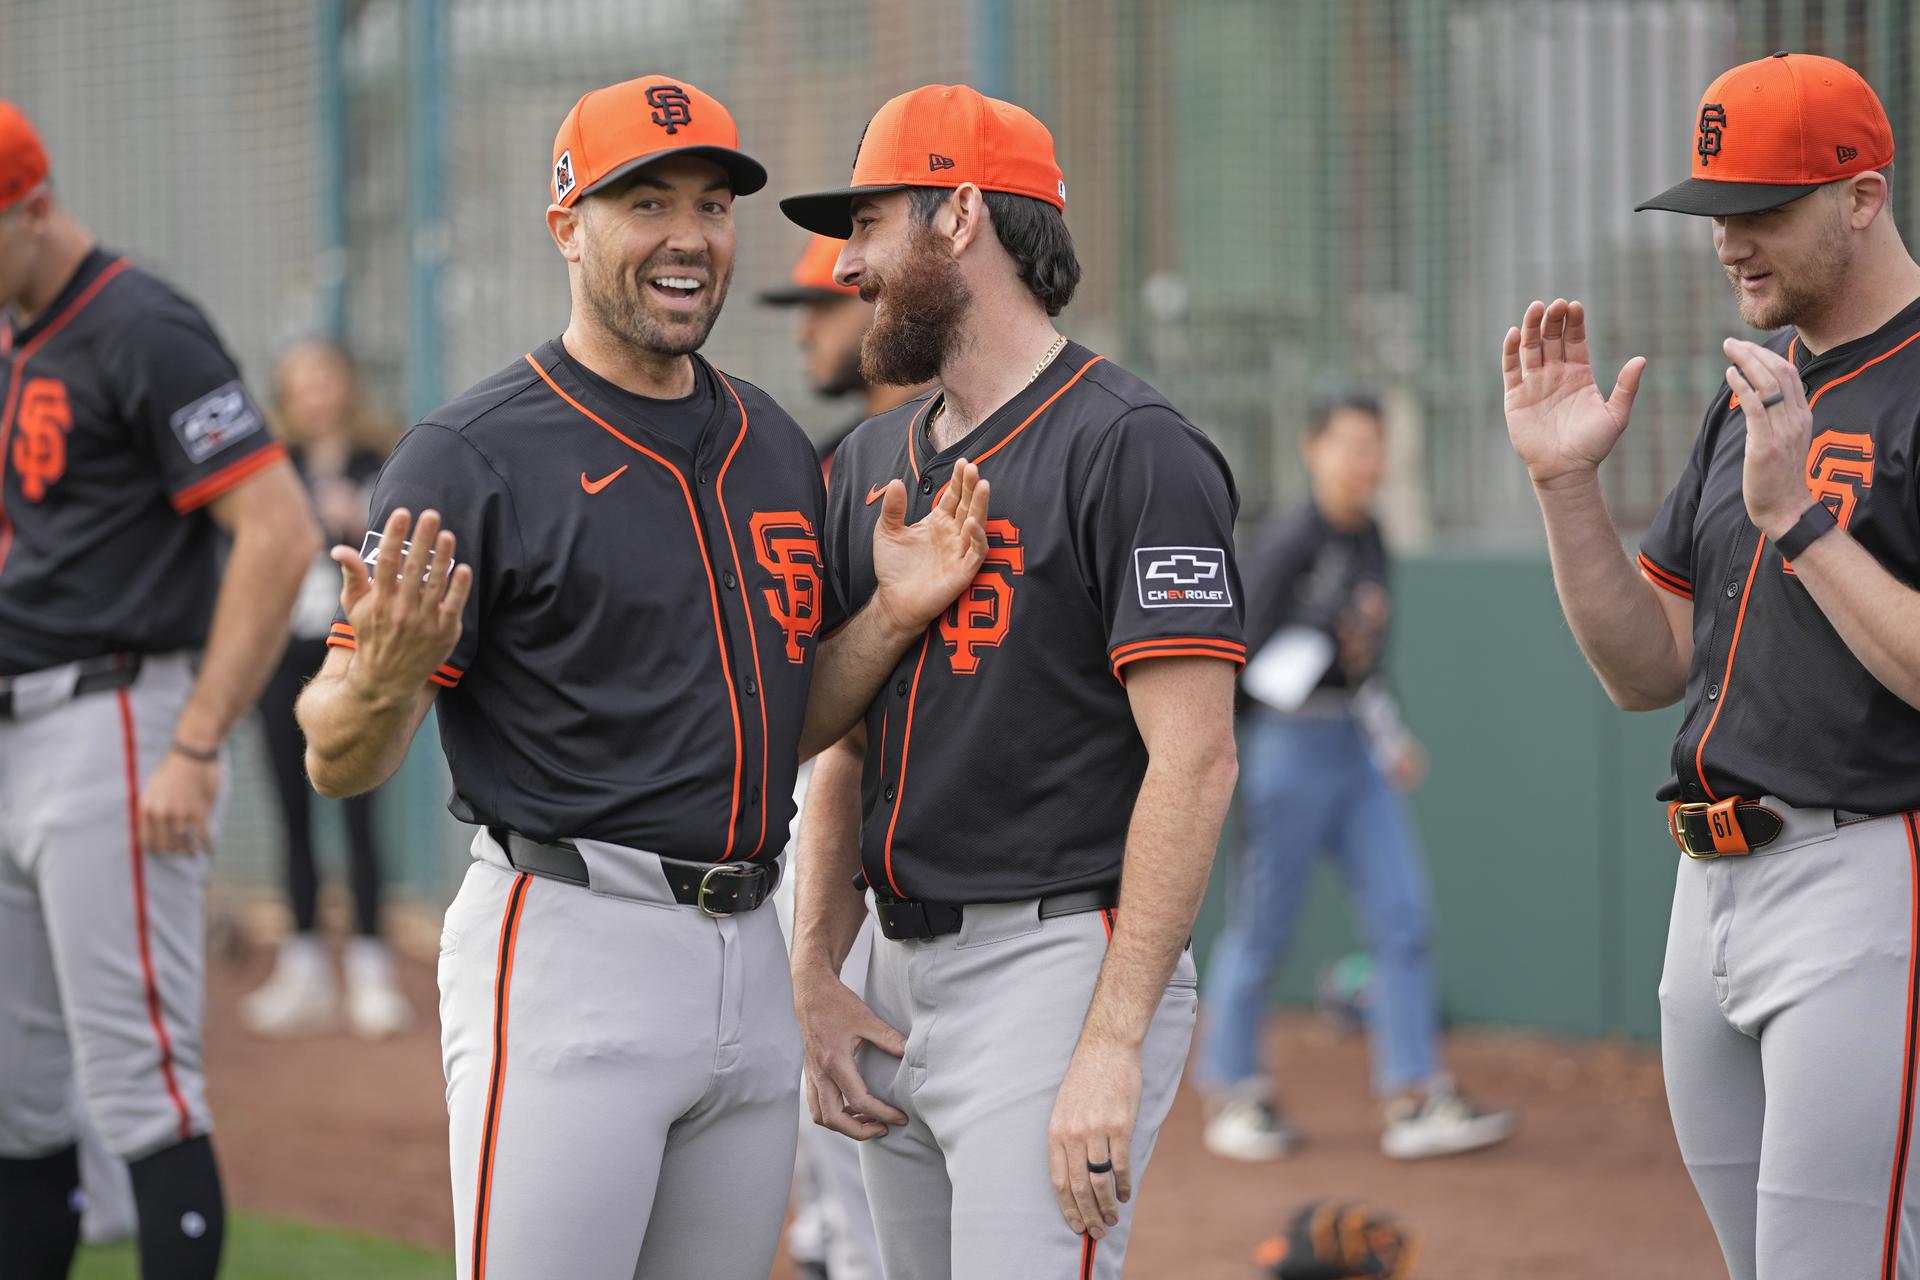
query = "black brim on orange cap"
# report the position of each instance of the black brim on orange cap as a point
(794, 295)
(1725, 199)
(746, 174)
(830, 213)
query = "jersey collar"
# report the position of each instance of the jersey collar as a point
(1904, 323)
(96, 261)
(1004, 421)
(555, 359)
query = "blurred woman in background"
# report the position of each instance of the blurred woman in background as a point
(338, 444)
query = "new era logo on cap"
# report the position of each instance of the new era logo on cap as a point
(938, 161)
(1844, 154)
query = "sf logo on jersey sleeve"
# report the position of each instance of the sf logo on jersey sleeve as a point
(785, 546)
(982, 616)
(1182, 577)
(40, 447)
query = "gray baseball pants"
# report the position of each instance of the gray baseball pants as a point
(1788, 1036)
(992, 1015)
(622, 1073)
(102, 944)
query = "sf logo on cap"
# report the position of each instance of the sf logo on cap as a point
(672, 107)
(1713, 123)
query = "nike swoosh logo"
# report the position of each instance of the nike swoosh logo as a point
(873, 494)
(595, 486)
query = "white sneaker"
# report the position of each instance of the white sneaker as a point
(300, 997)
(1445, 1124)
(1247, 1126)
(375, 1007)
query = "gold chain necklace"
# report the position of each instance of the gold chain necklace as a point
(1059, 345)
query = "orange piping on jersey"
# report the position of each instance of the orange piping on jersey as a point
(906, 740)
(913, 438)
(1857, 372)
(1793, 345)
(1233, 646)
(1238, 659)
(1106, 918)
(1726, 680)
(740, 575)
(201, 492)
(40, 339)
(1890, 1262)
(1661, 578)
(497, 1077)
(713, 588)
(1045, 405)
(140, 918)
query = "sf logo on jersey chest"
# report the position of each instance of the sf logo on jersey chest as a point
(785, 545)
(1839, 473)
(41, 426)
(983, 615)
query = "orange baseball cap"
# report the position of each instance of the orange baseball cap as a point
(942, 135)
(1771, 131)
(23, 161)
(812, 277)
(613, 131)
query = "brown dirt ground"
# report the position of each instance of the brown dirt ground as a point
(334, 1130)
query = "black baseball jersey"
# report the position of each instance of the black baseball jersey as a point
(637, 649)
(123, 416)
(1776, 704)
(1302, 571)
(1002, 756)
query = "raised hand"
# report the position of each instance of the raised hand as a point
(1779, 434)
(405, 621)
(1559, 423)
(921, 567)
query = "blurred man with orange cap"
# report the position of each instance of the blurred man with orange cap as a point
(1035, 797)
(627, 662)
(128, 447)
(1774, 597)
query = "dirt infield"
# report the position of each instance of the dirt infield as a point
(333, 1130)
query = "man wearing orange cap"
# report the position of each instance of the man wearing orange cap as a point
(627, 661)
(128, 447)
(832, 1230)
(1772, 596)
(1046, 772)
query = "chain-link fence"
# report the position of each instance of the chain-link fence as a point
(1270, 197)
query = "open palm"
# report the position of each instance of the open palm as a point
(1558, 421)
(921, 567)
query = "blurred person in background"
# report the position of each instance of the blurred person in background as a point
(131, 455)
(337, 442)
(831, 1236)
(1326, 760)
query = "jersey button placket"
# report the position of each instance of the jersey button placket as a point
(926, 484)
(730, 581)
(888, 795)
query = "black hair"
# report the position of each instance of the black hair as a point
(1350, 400)
(1033, 233)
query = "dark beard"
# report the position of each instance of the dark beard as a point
(917, 323)
(616, 308)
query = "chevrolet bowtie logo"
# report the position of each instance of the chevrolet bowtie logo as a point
(1183, 569)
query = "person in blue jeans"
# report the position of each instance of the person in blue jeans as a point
(1324, 759)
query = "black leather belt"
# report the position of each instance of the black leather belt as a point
(909, 918)
(1731, 827)
(96, 675)
(717, 888)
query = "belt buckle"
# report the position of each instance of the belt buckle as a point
(706, 885)
(1679, 829)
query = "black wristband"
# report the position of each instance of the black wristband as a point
(200, 757)
(1816, 521)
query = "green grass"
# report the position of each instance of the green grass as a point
(260, 1248)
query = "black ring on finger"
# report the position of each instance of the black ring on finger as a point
(1773, 400)
(1104, 1166)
